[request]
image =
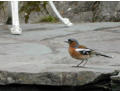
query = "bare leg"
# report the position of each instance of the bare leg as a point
(85, 62)
(79, 64)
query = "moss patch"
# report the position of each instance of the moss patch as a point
(32, 6)
(49, 19)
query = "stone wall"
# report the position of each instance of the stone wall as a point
(77, 11)
(87, 11)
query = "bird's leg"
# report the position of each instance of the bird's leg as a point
(85, 63)
(80, 63)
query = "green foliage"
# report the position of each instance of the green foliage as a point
(32, 6)
(49, 19)
(2, 4)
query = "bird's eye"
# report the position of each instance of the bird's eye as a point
(69, 40)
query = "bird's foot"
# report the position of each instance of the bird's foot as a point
(78, 66)
(75, 66)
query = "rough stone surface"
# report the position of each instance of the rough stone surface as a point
(87, 11)
(116, 78)
(40, 56)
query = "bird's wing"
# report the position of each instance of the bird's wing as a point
(84, 51)
(82, 46)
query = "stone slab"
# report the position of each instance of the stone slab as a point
(40, 56)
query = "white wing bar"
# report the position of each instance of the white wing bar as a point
(81, 49)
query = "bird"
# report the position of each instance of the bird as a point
(81, 52)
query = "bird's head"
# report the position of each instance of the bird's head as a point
(72, 42)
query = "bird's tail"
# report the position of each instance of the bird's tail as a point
(100, 54)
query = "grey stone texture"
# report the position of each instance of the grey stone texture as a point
(86, 11)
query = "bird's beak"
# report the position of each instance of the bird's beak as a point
(66, 41)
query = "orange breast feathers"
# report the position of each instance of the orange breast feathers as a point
(73, 53)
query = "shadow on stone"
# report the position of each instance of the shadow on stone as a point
(16, 87)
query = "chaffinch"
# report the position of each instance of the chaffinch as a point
(81, 52)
